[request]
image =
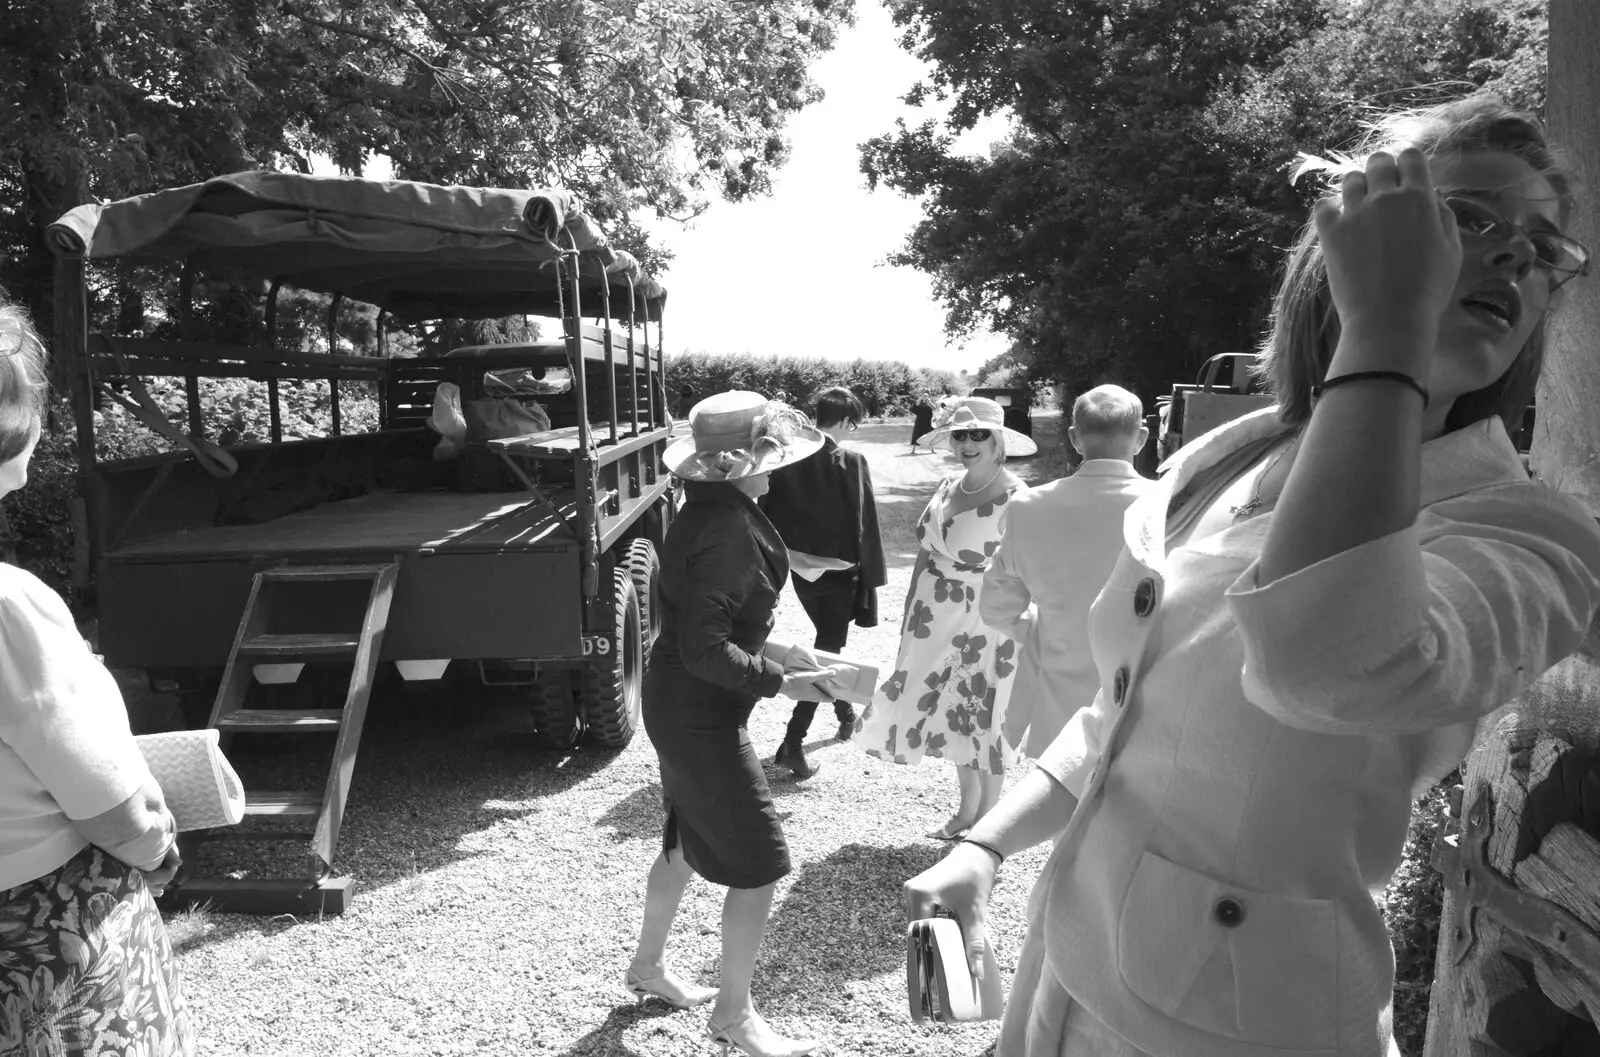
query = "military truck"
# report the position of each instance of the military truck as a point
(523, 554)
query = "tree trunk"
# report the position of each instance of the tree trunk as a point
(1566, 444)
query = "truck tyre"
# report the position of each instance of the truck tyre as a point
(644, 569)
(611, 685)
(557, 721)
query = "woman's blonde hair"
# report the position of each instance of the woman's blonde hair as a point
(1304, 327)
(23, 382)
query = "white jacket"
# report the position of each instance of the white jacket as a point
(1247, 770)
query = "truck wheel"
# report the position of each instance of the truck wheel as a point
(557, 721)
(644, 569)
(611, 686)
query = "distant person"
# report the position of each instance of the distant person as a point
(723, 566)
(685, 401)
(952, 678)
(86, 839)
(1061, 542)
(823, 508)
(921, 421)
(1314, 609)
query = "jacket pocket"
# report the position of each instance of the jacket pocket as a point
(1246, 965)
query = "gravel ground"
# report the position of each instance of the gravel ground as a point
(501, 886)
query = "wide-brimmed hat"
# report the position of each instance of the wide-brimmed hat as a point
(979, 412)
(739, 434)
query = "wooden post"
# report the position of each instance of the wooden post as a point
(1566, 454)
(69, 360)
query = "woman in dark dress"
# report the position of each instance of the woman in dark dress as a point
(722, 567)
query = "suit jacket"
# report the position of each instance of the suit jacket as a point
(823, 505)
(1060, 545)
(722, 568)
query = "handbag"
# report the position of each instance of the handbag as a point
(198, 783)
(939, 985)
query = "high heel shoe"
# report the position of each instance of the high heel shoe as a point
(955, 829)
(739, 1036)
(668, 989)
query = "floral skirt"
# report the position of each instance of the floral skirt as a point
(85, 967)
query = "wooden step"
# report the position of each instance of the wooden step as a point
(314, 573)
(237, 833)
(282, 720)
(265, 896)
(296, 804)
(299, 646)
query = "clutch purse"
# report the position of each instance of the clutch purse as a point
(199, 784)
(939, 986)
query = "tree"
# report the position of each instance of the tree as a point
(629, 103)
(1132, 223)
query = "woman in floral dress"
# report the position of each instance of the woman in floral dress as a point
(85, 835)
(953, 675)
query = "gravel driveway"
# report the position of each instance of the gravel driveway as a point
(501, 886)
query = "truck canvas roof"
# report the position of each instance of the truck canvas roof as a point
(418, 250)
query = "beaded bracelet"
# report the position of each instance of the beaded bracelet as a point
(978, 843)
(1384, 376)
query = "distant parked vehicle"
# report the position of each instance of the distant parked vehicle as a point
(1017, 403)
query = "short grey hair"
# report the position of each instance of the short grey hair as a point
(1107, 411)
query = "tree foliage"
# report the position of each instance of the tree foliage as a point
(629, 103)
(1132, 222)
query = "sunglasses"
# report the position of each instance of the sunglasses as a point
(1564, 258)
(961, 435)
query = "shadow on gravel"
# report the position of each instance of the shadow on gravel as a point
(606, 1040)
(842, 919)
(639, 814)
(433, 769)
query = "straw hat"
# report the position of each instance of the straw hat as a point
(978, 412)
(740, 434)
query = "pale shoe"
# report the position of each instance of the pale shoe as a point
(753, 1037)
(669, 989)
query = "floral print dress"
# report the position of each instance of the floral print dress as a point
(952, 678)
(85, 966)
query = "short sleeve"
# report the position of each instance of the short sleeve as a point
(61, 712)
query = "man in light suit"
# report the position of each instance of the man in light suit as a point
(1060, 545)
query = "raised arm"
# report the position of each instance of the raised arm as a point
(1393, 255)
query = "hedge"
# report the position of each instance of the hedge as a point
(886, 387)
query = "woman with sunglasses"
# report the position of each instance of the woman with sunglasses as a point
(1313, 609)
(947, 695)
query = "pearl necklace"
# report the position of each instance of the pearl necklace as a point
(961, 484)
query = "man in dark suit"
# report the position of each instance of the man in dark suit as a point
(823, 508)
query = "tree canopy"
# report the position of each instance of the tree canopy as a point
(1132, 222)
(631, 104)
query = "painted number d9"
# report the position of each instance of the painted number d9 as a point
(596, 645)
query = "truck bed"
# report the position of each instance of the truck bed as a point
(379, 524)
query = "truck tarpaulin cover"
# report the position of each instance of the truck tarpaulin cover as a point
(421, 251)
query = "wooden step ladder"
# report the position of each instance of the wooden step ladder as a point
(258, 642)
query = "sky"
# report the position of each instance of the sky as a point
(803, 272)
